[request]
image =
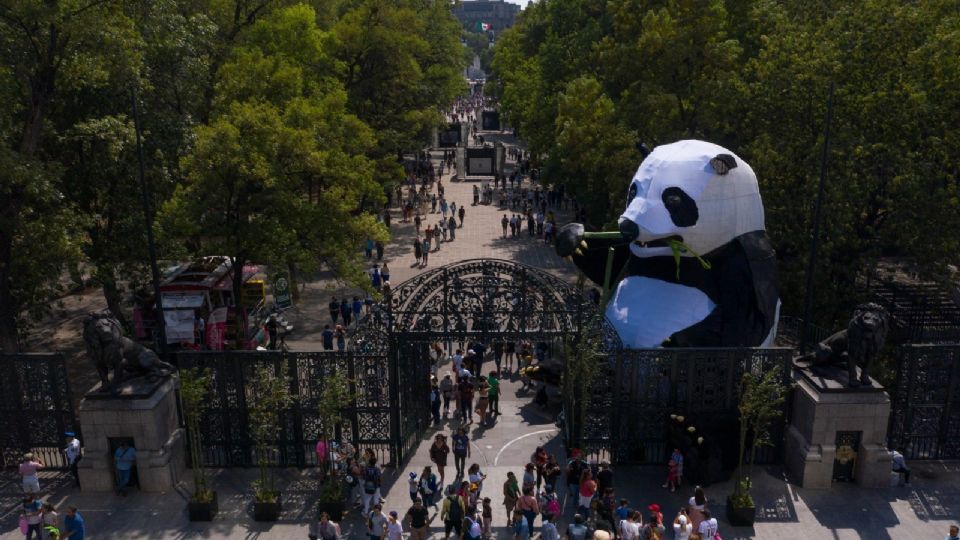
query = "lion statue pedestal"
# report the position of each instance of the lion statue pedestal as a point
(135, 401)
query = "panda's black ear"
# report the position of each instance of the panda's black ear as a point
(643, 149)
(722, 163)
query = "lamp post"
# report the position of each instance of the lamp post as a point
(815, 239)
(148, 220)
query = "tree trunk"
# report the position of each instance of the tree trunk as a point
(9, 335)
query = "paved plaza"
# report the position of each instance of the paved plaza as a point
(923, 510)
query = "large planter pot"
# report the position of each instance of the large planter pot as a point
(266, 511)
(740, 516)
(203, 511)
(333, 509)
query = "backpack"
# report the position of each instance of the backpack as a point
(370, 478)
(553, 506)
(455, 514)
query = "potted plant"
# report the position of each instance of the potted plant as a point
(194, 387)
(761, 403)
(269, 394)
(335, 394)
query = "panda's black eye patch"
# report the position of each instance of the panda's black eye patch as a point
(631, 193)
(683, 209)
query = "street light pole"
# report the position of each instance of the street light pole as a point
(815, 240)
(148, 220)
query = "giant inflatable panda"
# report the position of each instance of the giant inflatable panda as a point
(693, 262)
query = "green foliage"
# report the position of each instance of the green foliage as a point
(584, 354)
(333, 398)
(761, 403)
(304, 105)
(194, 390)
(753, 76)
(268, 395)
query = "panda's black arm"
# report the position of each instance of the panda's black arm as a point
(590, 254)
(593, 262)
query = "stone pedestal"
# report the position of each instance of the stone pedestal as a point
(150, 419)
(461, 163)
(825, 412)
(435, 138)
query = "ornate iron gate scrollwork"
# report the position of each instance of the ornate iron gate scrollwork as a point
(925, 402)
(35, 408)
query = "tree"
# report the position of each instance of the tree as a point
(761, 403)
(593, 151)
(334, 396)
(47, 50)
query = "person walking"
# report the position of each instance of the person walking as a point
(417, 517)
(529, 506)
(504, 223)
(73, 524)
(28, 473)
(324, 529)
(493, 391)
(483, 400)
(376, 522)
(461, 212)
(345, 312)
(385, 272)
(334, 309)
(452, 228)
(417, 249)
(438, 454)
(417, 221)
(327, 338)
(428, 487)
(73, 454)
(124, 458)
(435, 399)
(425, 249)
(372, 477)
(380, 247)
(50, 521)
(340, 334)
(446, 391)
(466, 390)
(452, 513)
(708, 527)
(32, 514)
(521, 526)
(461, 450)
(511, 494)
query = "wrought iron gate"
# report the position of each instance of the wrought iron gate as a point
(225, 427)
(925, 402)
(647, 400)
(35, 408)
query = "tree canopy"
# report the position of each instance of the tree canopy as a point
(582, 80)
(270, 129)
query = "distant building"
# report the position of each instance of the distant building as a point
(498, 14)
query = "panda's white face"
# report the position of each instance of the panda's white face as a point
(678, 194)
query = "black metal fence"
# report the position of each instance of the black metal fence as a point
(925, 402)
(368, 421)
(646, 402)
(35, 408)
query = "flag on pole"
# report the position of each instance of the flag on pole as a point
(483, 27)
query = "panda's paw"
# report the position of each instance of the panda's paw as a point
(569, 239)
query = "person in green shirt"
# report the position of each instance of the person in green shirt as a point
(494, 393)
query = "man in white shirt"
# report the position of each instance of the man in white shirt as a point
(73, 454)
(900, 465)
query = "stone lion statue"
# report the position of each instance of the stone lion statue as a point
(859, 344)
(109, 350)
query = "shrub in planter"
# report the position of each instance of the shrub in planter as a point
(269, 393)
(194, 388)
(761, 403)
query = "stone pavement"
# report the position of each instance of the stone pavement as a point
(480, 237)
